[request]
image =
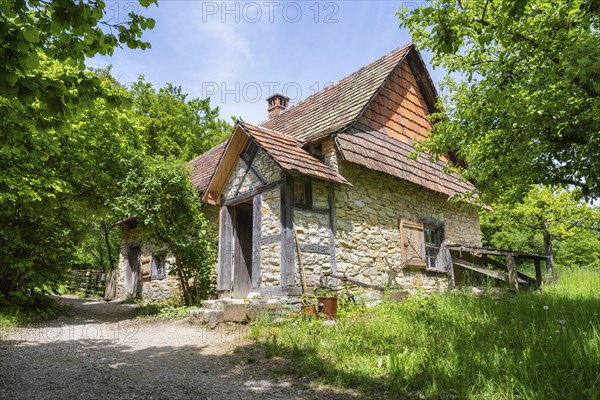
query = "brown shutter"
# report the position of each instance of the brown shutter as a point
(146, 266)
(413, 243)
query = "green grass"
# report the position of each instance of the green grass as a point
(35, 308)
(166, 310)
(530, 346)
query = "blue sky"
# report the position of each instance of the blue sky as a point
(239, 52)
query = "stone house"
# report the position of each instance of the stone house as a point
(331, 176)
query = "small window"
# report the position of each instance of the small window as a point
(432, 236)
(317, 151)
(303, 194)
(158, 267)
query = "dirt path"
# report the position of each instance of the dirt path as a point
(103, 352)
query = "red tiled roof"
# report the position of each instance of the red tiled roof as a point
(204, 165)
(288, 153)
(339, 105)
(379, 152)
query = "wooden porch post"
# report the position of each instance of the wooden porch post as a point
(511, 266)
(538, 274)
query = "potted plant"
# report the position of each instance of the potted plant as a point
(327, 303)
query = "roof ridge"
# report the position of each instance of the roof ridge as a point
(339, 81)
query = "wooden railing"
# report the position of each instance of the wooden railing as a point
(479, 259)
(89, 282)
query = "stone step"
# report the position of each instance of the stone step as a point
(214, 312)
(204, 316)
(212, 304)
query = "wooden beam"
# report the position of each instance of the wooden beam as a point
(303, 274)
(270, 239)
(495, 252)
(503, 267)
(288, 254)
(483, 271)
(314, 248)
(315, 210)
(331, 230)
(256, 240)
(248, 195)
(511, 266)
(488, 272)
(224, 276)
(538, 274)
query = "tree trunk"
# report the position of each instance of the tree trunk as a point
(548, 249)
(111, 260)
(184, 284)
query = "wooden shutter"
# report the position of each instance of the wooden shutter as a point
(146, 266)
(413, 243)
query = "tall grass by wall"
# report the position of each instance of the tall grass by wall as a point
(535, 345)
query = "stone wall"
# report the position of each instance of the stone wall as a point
(367, 225)
(270, 237)
(313, 229)
(240, 175)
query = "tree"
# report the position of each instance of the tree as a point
(64, 133)
(543, 217)
(159, 193)
(527, 107)
(57, 185)
(175, 126)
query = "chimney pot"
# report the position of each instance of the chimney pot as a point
(277, 103)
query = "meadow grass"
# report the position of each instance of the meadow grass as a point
(533, 345)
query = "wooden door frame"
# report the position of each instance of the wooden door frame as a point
(226, 275)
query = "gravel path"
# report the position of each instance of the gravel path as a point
(102, 352)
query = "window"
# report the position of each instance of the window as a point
(420, 243)
(432, 235)
(317, 151)
(303, 194)
(158, 267)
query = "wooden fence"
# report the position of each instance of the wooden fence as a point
(89, 282)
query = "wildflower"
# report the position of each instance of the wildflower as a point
(546, 307)
(557, 331)
(562, 321)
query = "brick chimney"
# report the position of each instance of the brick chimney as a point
(277, 103)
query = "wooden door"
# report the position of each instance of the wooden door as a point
(132, 272)
(242, 256)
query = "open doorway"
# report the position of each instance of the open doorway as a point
(242, 253)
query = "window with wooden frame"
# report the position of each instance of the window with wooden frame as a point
(420, 243)
(159, 270)
(303, 194)
(433, 237)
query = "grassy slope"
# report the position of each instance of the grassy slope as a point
(530, 346)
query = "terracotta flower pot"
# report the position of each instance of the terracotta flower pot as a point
(328, 306)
